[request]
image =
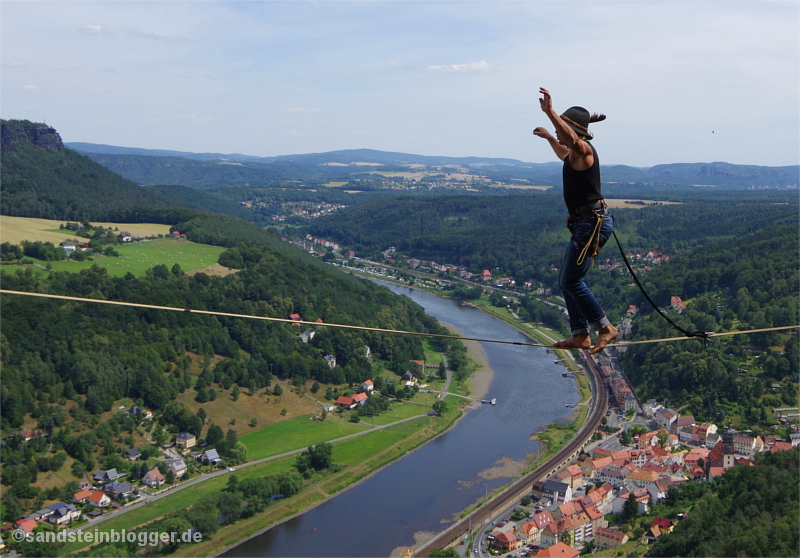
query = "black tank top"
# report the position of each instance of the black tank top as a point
(581, 187)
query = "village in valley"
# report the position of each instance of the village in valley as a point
(620, 476)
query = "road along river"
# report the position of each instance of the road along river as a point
(419, 495)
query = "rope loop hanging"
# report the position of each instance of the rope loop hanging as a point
(706, 336)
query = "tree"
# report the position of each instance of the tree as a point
(214, 434)
(235, 392)
(277, 390)
(440, 407)
(630, 509)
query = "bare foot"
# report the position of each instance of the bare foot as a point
(575, 342)
(604, 337)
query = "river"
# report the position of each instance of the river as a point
(424, 491)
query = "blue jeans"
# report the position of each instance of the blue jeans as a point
(585, 313)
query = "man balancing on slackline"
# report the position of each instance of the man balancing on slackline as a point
(588, 222)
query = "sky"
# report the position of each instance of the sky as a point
(680, 82)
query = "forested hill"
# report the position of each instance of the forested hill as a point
(105, 353)
(43, 179)
(749, 511)
(209, 170)
(522, 235)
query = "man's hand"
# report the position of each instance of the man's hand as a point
(542, 133)
(546, 102)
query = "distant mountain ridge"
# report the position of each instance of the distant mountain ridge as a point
(344, 156)
(154, 166)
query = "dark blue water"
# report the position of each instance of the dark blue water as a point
(425, 490)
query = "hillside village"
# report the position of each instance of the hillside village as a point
(584, 502)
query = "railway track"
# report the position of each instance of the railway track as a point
(523, 486)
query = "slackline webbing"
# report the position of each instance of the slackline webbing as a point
(365, 328)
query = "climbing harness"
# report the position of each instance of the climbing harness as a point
(596, 210)
(594, 241)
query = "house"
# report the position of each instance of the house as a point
(178, 467)
(567, 509)
(658, 490)
(542, 519)
(346, 402)
(680, 422)
(572, 475)
(596, 518)
(82, 496)
(529, 533)
(360, 398)
(607, 538)
(367, 386)
(40, 515)
(125, 237)
(666, 525)
(294, 317)
(557, 491)
(137, 411)
(64, 513)
(613, 475)
(665, 418)
(68, 246)
(27, 525)
(212, 456)
(747, 445)
(658, 527)
(677, 304)
(558, 550)
(307, 335)
(714, 472)
(99, 499)
(185, 440)
(640, 478)
(486, 275)
(780, 446)
(118, 489)
(132, 454)
(106, 476)
(508, 541)
(331, 360)
(153, 477)
(408, 378)
(557, 530)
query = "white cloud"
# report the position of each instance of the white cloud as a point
(194, 117)
(304, 110)
(91, 29)
(481, 66)
(31, 87)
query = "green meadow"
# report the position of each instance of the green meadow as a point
(302, 432)
(138, 258)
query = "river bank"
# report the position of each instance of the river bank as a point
(429, 469)
(478, 384)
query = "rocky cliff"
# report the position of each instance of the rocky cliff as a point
(16, 132)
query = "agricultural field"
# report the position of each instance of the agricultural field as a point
(17, 229)
(137, 258)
